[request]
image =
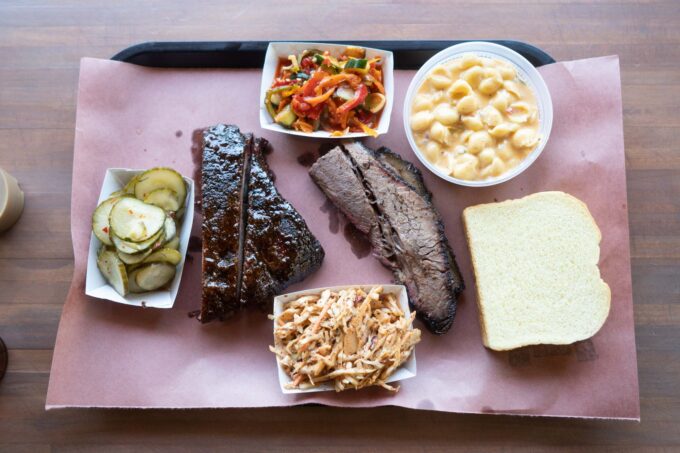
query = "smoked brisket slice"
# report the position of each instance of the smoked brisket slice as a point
(254, 242)
(279, 249)
(386, 199)
(404, 169)
(412, 175)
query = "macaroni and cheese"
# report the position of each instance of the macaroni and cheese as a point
(474, 119)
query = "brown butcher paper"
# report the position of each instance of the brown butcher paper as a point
(112, 355)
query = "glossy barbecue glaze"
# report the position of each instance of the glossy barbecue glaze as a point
(254, 242)
(222, 191)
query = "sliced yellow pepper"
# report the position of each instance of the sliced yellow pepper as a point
(319, 99)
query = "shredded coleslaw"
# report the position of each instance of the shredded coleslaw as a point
(350, 338)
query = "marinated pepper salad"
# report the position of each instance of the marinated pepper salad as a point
(316, 91)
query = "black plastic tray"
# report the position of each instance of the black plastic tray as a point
(250, 54)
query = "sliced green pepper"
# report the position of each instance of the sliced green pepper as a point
(280, 89)
(334, 66)
(359, 65)
(270, 108)
(318, 58)
(268, 98)
(275, 99)
(330, 69)
(308, 52)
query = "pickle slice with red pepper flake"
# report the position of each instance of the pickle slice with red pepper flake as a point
(159, 178)
(100, 220)
(135, 221)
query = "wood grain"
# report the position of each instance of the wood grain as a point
(41, 43)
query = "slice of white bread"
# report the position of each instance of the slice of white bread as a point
(535, 263)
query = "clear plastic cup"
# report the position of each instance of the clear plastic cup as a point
(525, 71)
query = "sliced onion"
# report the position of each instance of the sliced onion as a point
(345, 92)
(375, 102)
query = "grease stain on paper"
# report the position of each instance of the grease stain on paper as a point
(333, 216)
(358, 241)
(197, 159)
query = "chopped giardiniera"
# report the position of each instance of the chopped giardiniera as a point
(319, 91)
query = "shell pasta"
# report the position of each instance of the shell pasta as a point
(474, 119)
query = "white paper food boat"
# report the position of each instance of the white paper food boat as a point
(277, 50)
(95, 283)
(405, 371)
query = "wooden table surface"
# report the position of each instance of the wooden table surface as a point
(41, 43)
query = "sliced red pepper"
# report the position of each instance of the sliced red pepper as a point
(320, 99)
(359, 95)
(308, 89)
(304, 109)
(307, 63)
(299, 106)
(315, 112)
(280, 83)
